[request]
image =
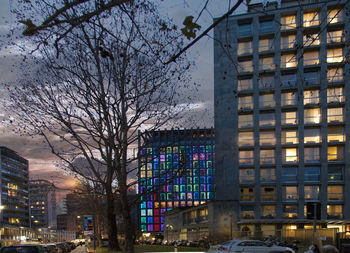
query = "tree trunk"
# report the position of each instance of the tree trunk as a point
(112, 224)
(129, 231)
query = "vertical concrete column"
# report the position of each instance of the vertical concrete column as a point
(225, 106)
(256, 116)
(323, 103)
(278, 113)
(346, 210)
(300, 84)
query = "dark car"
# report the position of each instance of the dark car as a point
(23, 249)
(63, 247)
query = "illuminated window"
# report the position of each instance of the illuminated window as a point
(311, 154)
(335, 192)
(247, 212)
(245, 84)
(267, 156)
(245, 139)
(288, 22)
(265, 45)
(266, 81)
(335, 153)
(267, 100)
(266, 63)
(336, 134)
(335, 115)
(288, 41)
(288, 61)
(312, 173)
(288, 81)
(311, 39)
(268, 211)
(246, 157)
(312, 135)
(335, 173)
(335, 16)
(289, 98)
(335, 95)
(246, 175)
(267, 138)
(311, 97)
(245, 102)
(334, 212)
(290, 211)
(311, 58)
(335, 36)
(289, 118)
(244, 47)
(311, 19)
(335, 55)
(247, 194)
(290, 193)
(311, 78)
(311, 192)
(312, 116)
(245, 120)
(267, 119)
(268, 193)
(267, 175)
(289, 137)
(335, 75)
(245, 66)
(289, 155)
(289, 174)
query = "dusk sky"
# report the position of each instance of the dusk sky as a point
(42, 162)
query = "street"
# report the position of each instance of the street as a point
(79, 249)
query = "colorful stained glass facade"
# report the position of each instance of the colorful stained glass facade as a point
(176, 169)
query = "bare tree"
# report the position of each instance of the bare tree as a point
(60, 17)
(108, 82)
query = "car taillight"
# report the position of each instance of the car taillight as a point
(222, 248)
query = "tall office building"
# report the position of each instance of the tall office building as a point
(14, 211)
(42, 204)
(176, 169)
(282, 97)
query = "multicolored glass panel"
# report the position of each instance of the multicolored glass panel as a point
(176, 175)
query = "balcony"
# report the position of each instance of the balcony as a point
(290, 215)
(247, 197)
(247, 215)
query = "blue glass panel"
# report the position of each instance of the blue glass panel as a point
(196, 196)
(143, 205)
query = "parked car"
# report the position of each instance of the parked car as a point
(23, 249)
(64, 247)
(54, 248)
(248, 246)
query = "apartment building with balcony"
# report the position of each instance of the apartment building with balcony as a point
(282, 90)
(14, 203)
(42, 204)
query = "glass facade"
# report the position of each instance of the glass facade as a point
(176, 169)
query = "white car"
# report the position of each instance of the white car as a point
(248, 246)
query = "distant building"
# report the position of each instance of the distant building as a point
(177, 168)
(14, 201)
(42, 204)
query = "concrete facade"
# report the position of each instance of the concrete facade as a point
(281, 114)
(42, 204)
